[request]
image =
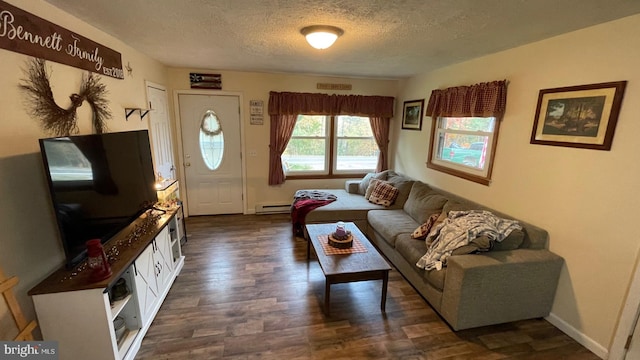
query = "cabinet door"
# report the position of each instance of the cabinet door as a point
(163, 259)
(146, 286)
(179, 218)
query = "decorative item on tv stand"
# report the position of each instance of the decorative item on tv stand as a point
(341, 238)
(97, 261)
(168, 193)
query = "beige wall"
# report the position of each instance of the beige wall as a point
(256, 86)
(586, 199)
(29, 246)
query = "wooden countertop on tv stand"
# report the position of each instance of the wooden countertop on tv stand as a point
(62, 280)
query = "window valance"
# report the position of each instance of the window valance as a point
(484, 100)
(289, 103)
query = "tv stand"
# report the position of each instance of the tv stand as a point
(81, 316)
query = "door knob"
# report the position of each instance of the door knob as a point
(187, 164)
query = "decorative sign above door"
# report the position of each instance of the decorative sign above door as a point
(28, 34)
(205, 81)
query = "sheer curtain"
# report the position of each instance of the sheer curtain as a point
(284, 108)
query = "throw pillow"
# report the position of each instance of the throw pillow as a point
(423, 230)
(382, 175)
(364, 183)
(372, 185)
(383, 194)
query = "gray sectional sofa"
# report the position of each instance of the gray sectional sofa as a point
(515, 280)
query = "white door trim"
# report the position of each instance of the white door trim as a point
(627, 319)
(180, 159)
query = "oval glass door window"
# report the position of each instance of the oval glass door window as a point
(211, 140)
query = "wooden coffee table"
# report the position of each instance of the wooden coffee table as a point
(344, 268)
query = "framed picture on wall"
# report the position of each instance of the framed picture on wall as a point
(582, 116)
(412, 115)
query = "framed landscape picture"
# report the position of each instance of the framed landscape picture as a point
(412, 115)
(582, 116)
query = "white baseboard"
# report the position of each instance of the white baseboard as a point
(581, 338)
(273, 208)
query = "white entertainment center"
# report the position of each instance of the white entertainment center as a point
(80, 315)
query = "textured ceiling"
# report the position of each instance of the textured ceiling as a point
(382, 38)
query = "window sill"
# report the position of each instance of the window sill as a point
(480, 180)
(330, 176)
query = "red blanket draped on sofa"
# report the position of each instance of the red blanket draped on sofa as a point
(303, 202)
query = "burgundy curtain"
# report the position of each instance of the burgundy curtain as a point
(284, 108)
(380, 128)
(483, 99)
(281, 130)
(288, 103)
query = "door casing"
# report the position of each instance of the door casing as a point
(628, 317)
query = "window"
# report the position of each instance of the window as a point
(211, 140)
(355, 145)
(464, 146)
(464, 131)
(330, 145)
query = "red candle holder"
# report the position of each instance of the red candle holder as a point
(97, 261)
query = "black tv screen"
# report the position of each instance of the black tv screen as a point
(99, 184)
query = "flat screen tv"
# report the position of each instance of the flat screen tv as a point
(99, 184)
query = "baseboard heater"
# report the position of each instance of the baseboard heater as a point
(273, 208)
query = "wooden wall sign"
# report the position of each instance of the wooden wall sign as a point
(25, 33)
(205, 81)
(329, 86)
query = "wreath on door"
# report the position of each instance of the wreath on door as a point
(206, 127)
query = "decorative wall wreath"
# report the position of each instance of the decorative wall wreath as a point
(205, 126)
(53, 118)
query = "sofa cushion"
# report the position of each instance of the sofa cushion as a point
(391, 223)
(483, 243)
(453, 205)
(412, 251)
(423, 202)
(479, 244)
(383, 194)
(513, 241)
(352, 186)
(347, 207)
(403, 184)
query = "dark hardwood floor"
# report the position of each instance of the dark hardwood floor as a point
(247, 291)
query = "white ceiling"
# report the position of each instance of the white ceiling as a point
(382, 38)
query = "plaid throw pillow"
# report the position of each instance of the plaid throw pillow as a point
(372, 185)
(384, 194)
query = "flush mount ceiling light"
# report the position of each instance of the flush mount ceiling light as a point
(321, 36)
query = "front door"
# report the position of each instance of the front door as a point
(212, 161)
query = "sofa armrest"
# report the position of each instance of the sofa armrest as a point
(351, 186)
(499, 287)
